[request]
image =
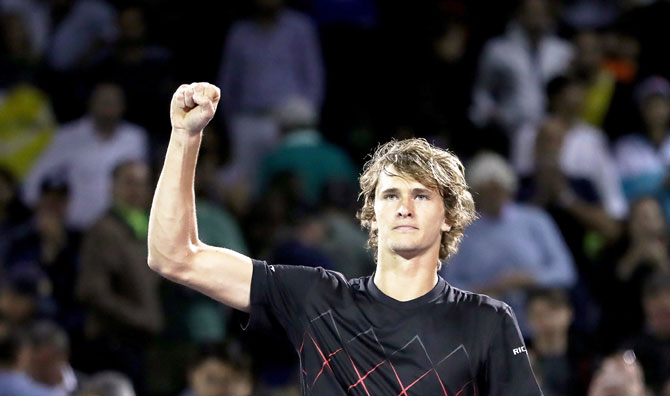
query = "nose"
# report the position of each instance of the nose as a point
(406, 209)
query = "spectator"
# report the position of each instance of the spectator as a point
(643, 159)
(79, 29)
(511, 247)
(607, 100)
(345, 242)
(24, 297)
(513, 69)
(86, 151)
(304, 153)
(67, 32)
(570, 163)
(652, 345)
(267, 60)
(212, 373)
(13, 381)
(557, 360)
(46, 241)
(12, 211)
(115, 282)
(107, 383)
(47, 350)
(19, 60)
(619, 375)
(142, 69)
(624, 268)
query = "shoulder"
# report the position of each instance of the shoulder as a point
(477, 304)
(530, 213)
(294, 274)
(132, 134)
(587, 136)
(75, 128)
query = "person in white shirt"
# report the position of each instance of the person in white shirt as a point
(514, 68)
(86, 151)
(643, 158)
(564, 149)
(583, 151)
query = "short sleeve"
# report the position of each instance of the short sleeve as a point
(508, 370)
(278, 296)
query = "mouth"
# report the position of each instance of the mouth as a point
(405, 228)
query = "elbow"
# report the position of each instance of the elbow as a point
(171, 264)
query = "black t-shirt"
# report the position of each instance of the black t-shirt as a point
(353, 339)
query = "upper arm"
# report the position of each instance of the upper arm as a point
(508, 366)
(220, 273)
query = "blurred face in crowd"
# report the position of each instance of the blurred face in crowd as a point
(107, 104)
(491, 197)
(535, 17)
(131, 24)
(409, 216)
(549, 318)
(657, 313)
(15, 35)
(450, 45)
(54, 203)
(647, 220)
(548, 142)
(131, 185)
(588, 53)
(569, 102)
(15, 307)
(214, 377)
(44, 364)
(655, 112)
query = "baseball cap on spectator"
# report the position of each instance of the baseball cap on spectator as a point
(652, 86)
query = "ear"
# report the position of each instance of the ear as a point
(446, 227)
(373, 223)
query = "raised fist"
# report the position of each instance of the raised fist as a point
(193, 106)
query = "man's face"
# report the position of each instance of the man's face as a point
(655, 111)
(409, 216)
(211, 378)
(546, 318)
(107, 103)
(131, 186)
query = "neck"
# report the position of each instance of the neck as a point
(551, 344)
(405, 279)
(104, 129)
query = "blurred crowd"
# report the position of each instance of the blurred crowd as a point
(559, 109)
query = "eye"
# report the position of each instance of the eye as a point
(422, 197)
(390, 196)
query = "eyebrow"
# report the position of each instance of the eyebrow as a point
(415, 191)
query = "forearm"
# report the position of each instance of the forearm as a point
(173, 233)
(595, 218)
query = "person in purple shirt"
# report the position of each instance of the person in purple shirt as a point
(267, 59)
(13, 381)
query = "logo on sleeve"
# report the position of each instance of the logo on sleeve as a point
(519, 350)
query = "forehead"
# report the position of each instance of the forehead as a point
(390, 178)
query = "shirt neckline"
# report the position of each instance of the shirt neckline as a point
(379, 295)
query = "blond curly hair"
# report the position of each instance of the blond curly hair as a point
(433, 167)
